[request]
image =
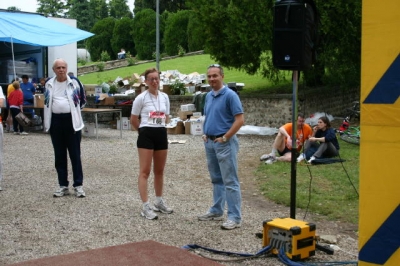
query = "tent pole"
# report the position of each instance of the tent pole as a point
(12, 52)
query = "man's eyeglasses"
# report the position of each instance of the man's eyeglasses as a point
(153, 79)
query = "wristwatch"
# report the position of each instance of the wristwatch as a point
(224, 139)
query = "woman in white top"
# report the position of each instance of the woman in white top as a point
(150, 111)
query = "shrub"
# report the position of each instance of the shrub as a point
(104, 56)
(100, 66)
(81, 61)
(113, 89)
(178, 88)
(181, 50)
(131, 60)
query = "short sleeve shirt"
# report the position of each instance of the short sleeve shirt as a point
(151, 109)
(302, 134)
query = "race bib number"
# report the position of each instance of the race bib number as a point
(156, 118)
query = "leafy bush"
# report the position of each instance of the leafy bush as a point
(181, 50)
(178, 88)
(100, 66)
(113, 89)
(81, 61)
(104, 56)
(131, 60)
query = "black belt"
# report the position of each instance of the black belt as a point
(214, 137)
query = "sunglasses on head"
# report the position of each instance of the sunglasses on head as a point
(214, 65)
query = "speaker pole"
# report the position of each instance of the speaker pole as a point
(294, 146)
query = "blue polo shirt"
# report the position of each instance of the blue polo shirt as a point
(28, 90)
(220, 111)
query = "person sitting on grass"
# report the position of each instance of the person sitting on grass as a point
(283, 141)
(323, 142)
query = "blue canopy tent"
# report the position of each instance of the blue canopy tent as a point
(36, 30)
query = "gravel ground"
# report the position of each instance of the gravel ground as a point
(33, 224)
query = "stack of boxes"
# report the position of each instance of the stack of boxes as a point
(190, 123)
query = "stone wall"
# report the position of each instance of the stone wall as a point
(272, 110)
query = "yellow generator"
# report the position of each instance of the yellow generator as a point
(296, 237)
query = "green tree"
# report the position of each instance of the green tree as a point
(13, 8)
(165, 5)
(98, 10)
(100, 42)
(119, 9)
(195, 33)
(340, 49)
(122, 36)
(238, 34)
(80, 10)
(144, 33)
(52, 8)
(236, 31)
(176, 33)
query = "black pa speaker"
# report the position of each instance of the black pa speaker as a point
(293, 33)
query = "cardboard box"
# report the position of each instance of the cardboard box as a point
(188, 107)
(178, 129)
(196, 115)
(106, 100)
(167, 89)
(196, 128)
(88, 130)
(113, 124)
(98, 90)
(39, 100)
(126, 123)
(185, 115)
(135, 77)
(187, 128)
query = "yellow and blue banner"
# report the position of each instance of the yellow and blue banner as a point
(379, 224)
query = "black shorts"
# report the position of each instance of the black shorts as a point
(152, 138)
(286, 150)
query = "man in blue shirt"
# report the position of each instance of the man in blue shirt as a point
(223, 118)
(29, 93)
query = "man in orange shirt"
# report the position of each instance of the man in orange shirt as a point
(283, 142)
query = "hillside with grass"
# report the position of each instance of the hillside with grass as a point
(254, 84)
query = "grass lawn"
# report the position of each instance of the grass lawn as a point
(327, 189)
(189, 64)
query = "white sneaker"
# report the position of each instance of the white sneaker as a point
(229, 225)
(61, 191)
(301, 157)
(268, 156)
(210, 217)
(311, 159)
(148, 212)
(24, 133)
(162, 207)
(79, 193)
(271, 160)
